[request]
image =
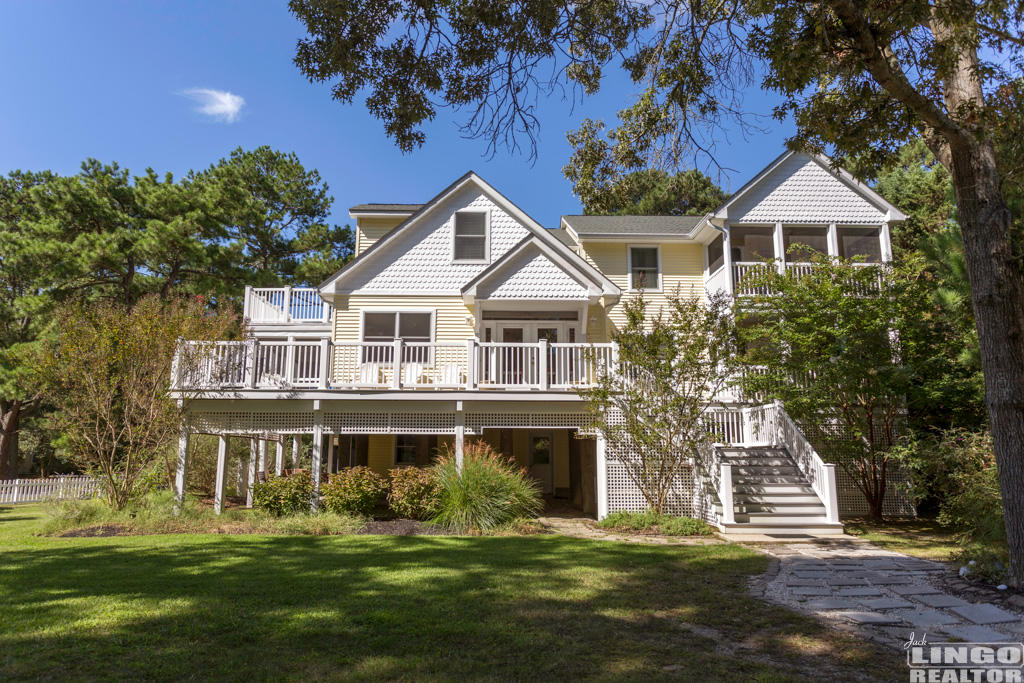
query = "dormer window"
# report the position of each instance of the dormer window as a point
(470, 237)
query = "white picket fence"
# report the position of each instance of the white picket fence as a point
(35, 490)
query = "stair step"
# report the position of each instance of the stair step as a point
(775, 498)
(798, 529)
(758, 479)
(771, 488)
(776, 518)
(759, 462)
(780, 509)
(754, 452)
(765, 470)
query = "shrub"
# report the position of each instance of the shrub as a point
(413, 493)
(355, 491)
(283, 495)
(975, 508)
(651, 521)
(491, 490)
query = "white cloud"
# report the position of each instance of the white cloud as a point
(219, 104)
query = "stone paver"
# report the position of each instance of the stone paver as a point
(984, 614)
(882, 594)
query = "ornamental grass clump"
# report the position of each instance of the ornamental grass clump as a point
(489, 492)
(355, 491)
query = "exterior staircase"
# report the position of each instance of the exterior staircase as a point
(770, 495)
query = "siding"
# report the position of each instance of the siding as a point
(369, 230)
(450, 314)
(682, 268)
(380, 456)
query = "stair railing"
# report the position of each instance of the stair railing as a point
(820, 474)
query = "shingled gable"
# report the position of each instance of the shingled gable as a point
(553, 268)
(371, 255)
(727, 211)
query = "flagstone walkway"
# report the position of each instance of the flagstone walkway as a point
(883, 594)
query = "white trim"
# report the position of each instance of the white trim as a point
(487, 236)
(629, 268)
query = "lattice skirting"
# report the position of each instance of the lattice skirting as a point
(625, 495)
(896, 504)
(477, 422)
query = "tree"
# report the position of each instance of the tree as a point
(652, 412)
(859, 77)
(108, 375)
(847, 349)
(275, 213)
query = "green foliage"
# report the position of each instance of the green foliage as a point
(665, 525)
(356, 491)
(322, 524)
(985, 564)
(975, 507)
(489, 492)
(673, 363)
(936, 461)
(283, 495)
(842, 366)
(108, 376)
(413, 492)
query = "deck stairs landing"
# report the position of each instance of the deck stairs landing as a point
(772, 496)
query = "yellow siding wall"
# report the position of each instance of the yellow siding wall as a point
(450, 314)
(369, 230)
(682, 268)
(380, 454)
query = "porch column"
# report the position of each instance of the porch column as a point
(251, 480)
(318, 441)
(602, 477)
(780, 247)
(222, 473)
(295, 451)
(460, 435)
(263, 456)
(279, 456)
(181, 474)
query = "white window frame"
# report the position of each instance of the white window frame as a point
(487, 236)
(629, 267)
(433, 323)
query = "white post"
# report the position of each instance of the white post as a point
(247, 303)
(780, 248)
(471, 363)
(251, 479)
(460, 438)
(325, 363)
(886, 241)
(727, 259)
(181, 474)
(330, 455)
(396, 364)
(286, 312)
(296, 451)
(833, 240)
(318, 440)
(263, 456)
(222, 474)
(830, 485)
(279, 456)
(725, 494)
(289, 361)
(251, 365)
(542, 351)
(602, 477)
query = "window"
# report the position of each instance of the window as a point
(410, 326)
(716, 254)
(751, 245)
(406, 447)
(862, 242)
(470, 236)
(810, 240)
(643, 268)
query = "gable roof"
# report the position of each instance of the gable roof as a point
(595, 283)
(543, 234)
(384, 208)
(609, 227)
(892, 214)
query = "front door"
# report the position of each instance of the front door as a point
(541, 457)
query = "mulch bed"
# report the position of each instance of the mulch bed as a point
(400, 527)
(100, 531)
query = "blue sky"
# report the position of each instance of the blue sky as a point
(109, 79)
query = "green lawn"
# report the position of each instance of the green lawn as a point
(273, 607)
(918, 537)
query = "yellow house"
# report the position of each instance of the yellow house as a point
(463, 317)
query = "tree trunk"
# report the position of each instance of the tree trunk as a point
(9, 421)
(997, 296)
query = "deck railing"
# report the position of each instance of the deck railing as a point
(743, 272)
(396, 365)
(285, 305)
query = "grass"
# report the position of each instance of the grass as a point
(652, 522)
(362, 607)
(921, 537)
